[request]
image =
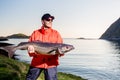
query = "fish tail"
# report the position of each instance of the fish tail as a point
(10, 49)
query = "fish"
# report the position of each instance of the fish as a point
(40, 47)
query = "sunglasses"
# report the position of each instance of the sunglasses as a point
(49, 19)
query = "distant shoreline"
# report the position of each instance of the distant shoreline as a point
(88, 38)
(14, 36)
(23, 36)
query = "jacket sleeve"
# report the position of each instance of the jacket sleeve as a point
(59, 40)
(32, 37)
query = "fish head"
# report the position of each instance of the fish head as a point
(65, 48)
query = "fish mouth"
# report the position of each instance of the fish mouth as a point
(73, 47)
(70, 49)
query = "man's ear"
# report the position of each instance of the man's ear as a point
(42, 22)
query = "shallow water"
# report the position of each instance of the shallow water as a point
(91, 59)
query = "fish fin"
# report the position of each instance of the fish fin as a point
(59, 51)
(55, 51)
(52, 51)
(10, 50)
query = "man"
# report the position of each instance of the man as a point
(40, 62)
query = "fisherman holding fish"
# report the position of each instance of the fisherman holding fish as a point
(41, 62)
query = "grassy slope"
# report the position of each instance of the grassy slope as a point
(14, 70)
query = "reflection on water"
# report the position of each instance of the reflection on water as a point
(91, 59)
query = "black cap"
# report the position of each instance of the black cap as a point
(47, 16)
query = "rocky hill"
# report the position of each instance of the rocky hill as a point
(113, 32)
(19, 35)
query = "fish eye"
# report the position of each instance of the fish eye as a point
(67, 47)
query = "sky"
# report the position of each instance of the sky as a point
(73, 18)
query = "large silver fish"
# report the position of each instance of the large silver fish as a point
(40, 47)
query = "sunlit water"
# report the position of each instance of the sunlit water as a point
(91, 59)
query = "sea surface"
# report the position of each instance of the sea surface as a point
(91, 59)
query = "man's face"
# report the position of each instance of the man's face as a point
(47, 23)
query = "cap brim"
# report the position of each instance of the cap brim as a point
(52, 17)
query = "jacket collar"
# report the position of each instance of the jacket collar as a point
(44, 31)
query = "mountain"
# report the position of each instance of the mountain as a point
(113, 32)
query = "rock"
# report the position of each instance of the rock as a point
(2, 44)
(3, 39)
(3, 52)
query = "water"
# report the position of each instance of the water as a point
(91, 59)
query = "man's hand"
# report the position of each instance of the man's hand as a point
(31, 49)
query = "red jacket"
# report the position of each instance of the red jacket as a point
(45, 35)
